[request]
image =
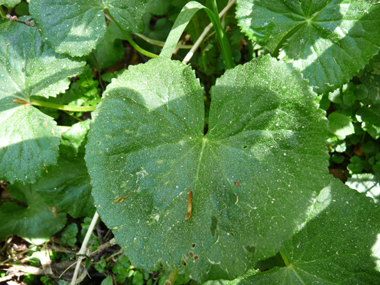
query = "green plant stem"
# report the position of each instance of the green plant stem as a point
(2, 13)
(160, 43)
(98, 71)
(172, 277)
(285, 259)
(63, 129)
(129, 39)
(362, 140)
(75, 117)
(62, 107)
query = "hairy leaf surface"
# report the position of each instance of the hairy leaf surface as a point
(329, 41)
(29, 139)
(77, 28)
(266, 139)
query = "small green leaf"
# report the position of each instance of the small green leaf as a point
(371, 146)
(107, 281)
(147, 149)
(101, 265)
(338, 245)
(366, 183)
(329, 41)
(370, 119)
(69, 234)
(77, 28)
(349, 98)
(336, 96)
(22, 9)
(338, 158)
(340, 125)
(138, 278)
(35, 223)
(356, 165)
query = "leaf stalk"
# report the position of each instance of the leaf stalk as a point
(287, 263)
(2, 13)
(160, 43)
(172, 277)
(61, 107)
(129, 39)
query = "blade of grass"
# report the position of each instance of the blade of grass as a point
(180, 24)
(223, 41)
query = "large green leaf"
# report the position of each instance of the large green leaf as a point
(66, 186)
(29, 139)
(266, 141)
(339, 244)
(77, 28)
(34, 222)
(329, 41)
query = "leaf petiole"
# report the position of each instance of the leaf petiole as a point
(2, 13)
(128, 37)
(160, 43)
(172, 277)
(57, 106)
(285, 259)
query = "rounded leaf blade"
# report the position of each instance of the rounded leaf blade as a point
(147, 150)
